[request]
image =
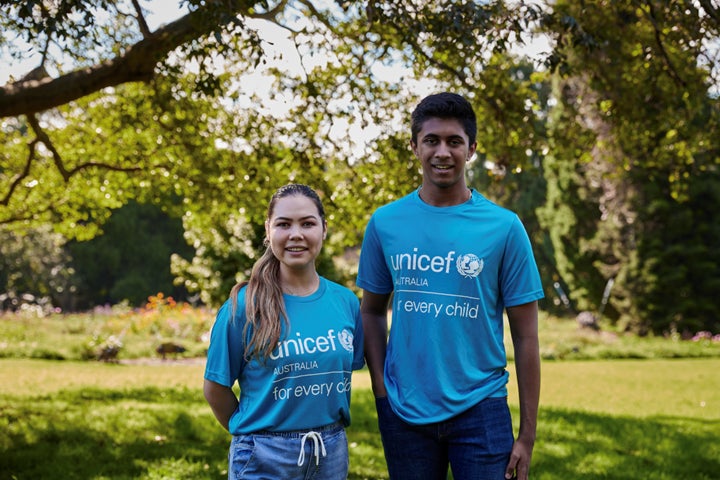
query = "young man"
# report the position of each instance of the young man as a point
(452, 262)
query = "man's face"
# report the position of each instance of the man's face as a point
(443, 149)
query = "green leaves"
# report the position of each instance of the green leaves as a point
(625, 117)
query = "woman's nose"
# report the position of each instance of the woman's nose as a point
(295, 231)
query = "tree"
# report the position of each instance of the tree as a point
(109, 44)
(106, 142)
(110, 41)
(638, 85)
(36, 271)
(131, 260)
(621, 148)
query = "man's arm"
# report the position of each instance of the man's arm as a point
(373, 310)
(523, 320)
(222, 400)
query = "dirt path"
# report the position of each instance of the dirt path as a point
(159, 361)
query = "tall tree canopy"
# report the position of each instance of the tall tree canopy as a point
(88, 51)
(634, 157)
(191, 127)
(206, 114)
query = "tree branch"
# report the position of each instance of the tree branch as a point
(271, 15)
(26, 171)
(58, 161)
(141, 20)
(712, 11)
(43, 137)
(137, 64)
(672, 71)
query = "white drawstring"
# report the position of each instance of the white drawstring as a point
(316, 438)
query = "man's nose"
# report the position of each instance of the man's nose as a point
(443, 150)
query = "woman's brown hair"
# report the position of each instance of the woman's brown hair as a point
(264, 305)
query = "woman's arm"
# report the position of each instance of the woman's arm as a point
(222, 400)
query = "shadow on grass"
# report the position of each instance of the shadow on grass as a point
(118, 434)
(170, 433)
(367, 459)
(574, 444)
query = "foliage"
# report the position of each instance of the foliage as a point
(130, 258)
(680, 262)
(35, 270)
(613, 137)
(41, 269)
(626, 175)
(572, 206)
(138, 332)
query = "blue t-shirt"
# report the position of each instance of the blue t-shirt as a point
(305, 383)
(453, 270)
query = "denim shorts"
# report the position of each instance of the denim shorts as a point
(476, 444)
(319, 454)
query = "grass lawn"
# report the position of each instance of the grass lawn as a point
(603, 419)
(613, 406)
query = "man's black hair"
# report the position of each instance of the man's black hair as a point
(444, 105)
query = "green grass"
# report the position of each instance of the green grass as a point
(81, 336)
(616, 419)
(561, 339)
(613, 406)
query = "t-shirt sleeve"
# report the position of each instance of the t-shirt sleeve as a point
(373, 274)
(225, 354)
(520, 279)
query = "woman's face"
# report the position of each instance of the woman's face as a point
(296, 232)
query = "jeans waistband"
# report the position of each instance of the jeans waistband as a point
(300, 433)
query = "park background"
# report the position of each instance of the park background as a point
(142, 140)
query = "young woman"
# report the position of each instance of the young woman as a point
(291, 339)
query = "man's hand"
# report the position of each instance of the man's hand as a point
(519, 465)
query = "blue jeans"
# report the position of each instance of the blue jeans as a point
(476, 443)
(275, 455)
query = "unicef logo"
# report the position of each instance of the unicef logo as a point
(469, 265)
(346, 340)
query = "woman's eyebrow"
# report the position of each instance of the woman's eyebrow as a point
(291, 218)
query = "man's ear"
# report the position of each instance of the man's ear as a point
(413, 147)
(471, 150)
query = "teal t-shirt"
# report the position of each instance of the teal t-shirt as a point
(453, 271)
(305, 383)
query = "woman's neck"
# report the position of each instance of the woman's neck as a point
(299, 284)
